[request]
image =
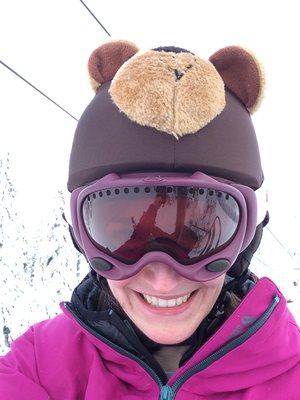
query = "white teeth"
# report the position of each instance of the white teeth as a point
(172, 303)
(162, 303)
(157, 302)
(179, 301)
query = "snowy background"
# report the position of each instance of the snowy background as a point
(49, 43)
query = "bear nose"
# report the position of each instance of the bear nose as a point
(178, 74)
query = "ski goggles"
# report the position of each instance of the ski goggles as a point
(195, 223)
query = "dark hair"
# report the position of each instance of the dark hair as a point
(106, 297)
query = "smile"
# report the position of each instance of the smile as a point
(157, 302)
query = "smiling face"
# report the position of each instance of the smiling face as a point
(172, 324)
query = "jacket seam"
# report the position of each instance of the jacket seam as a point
(35, 360)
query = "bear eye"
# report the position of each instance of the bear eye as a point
(189, 66)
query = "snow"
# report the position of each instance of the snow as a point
(49, 44)
(41, 267)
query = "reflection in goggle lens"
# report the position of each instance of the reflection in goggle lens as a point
(188, 223)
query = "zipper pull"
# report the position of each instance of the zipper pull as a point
(166, 393)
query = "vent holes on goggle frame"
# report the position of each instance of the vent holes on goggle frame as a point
(183, 190)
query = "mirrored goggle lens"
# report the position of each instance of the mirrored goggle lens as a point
(188, 223)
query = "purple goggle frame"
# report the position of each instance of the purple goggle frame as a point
(204, 270)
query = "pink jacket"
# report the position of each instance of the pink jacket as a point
(254, 355)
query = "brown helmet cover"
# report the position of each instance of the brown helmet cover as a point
(167, 109)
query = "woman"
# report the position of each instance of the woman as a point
(164, 179)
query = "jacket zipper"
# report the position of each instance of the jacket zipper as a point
(169, 392)
(115, 346)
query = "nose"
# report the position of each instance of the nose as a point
(161, 277)
(178, 74)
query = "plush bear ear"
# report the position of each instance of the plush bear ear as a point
(105, 61)
(242, 73)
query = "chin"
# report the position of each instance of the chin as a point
(168, 338)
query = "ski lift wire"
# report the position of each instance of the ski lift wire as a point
(279, 242)
(81, 1)
(262, 262)
(38, 90)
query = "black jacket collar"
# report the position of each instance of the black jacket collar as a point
(90, 302)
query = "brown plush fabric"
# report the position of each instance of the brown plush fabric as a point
(105, 61)
(242, 73)
(177, 93)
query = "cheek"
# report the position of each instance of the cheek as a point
(217, 282)
(214, 287)
(118, 288)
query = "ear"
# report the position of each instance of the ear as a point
(242, 73)
(105, 61)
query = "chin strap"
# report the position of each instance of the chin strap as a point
(238, 280)
(243, 261)
(74, 241)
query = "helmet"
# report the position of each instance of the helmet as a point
(167, 109)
